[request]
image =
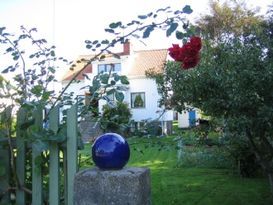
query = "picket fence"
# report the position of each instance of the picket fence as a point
(61, 157)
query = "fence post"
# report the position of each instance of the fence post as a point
(20, 157)
(36, 170)
(72, 124)
(54, 166)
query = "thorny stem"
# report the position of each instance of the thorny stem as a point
(24, 65)
(41, 49)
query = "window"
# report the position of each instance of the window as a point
(138, 100)
(116, 67)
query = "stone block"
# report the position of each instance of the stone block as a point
(128, 186)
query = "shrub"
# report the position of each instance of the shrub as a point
(116, 119)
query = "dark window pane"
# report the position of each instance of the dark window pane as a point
(138, 100)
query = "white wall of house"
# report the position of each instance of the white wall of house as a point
(137, 84)
(75, 87)
(151, 109)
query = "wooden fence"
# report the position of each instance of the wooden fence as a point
(62, 166)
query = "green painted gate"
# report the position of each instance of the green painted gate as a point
(62, 165)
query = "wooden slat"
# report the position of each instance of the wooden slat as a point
(71, 151)
(4, 174)
(5, 157)
(54, 167)
(36, 170)
(20, 158)
(65, 175)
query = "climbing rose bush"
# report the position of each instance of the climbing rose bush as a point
(188, 54)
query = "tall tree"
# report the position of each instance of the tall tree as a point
(234, 80)
(229, 18)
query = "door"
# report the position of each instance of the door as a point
(192, 118)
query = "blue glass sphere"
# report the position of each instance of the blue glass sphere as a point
(110, 151)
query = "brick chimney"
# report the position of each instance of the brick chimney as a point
(126, 48)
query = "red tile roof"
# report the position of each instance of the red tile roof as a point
(148, 59)
(143, 61)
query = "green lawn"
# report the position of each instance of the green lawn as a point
(191, 185)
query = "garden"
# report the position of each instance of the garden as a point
(221, 65)
(207, 178)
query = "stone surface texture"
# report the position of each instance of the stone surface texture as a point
(128, 186)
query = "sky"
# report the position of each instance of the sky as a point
(68, 23)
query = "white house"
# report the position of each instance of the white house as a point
(141, 95)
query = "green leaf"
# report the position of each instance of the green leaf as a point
(105, 42)
(102, 57)
(95, 42)
(179, 35)
(110, 92)
(116, 77)
(2, 29)
(171, 29)
(113, 82)
(9, 49)
(51, 69)
(88, 46)
(46, 95)
(187, 9)
(52, 53)
(16, 57)
(142, 16)
(6, 70)
(148, 31)
(115, 25)
(104, 78)
(109, 30)
(37, 90)
(87, 41)
(119, 96)
(124, 80)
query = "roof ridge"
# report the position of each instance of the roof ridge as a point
(158, 49)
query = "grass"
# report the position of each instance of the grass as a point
(172, 184)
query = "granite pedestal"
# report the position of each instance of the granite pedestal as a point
(127, 186)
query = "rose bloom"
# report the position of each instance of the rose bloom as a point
(189, 50)
(174, 52)
(196, 43)
(190, 62)
(188, 54)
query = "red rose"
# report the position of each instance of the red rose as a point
(174, 52)
(190, 62)
(196, 43)
(188, 54)
(189, 50)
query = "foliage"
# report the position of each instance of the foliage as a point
(116, 119)
(138, 101)
(234, 82)
(211, 157)
(147, 128)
